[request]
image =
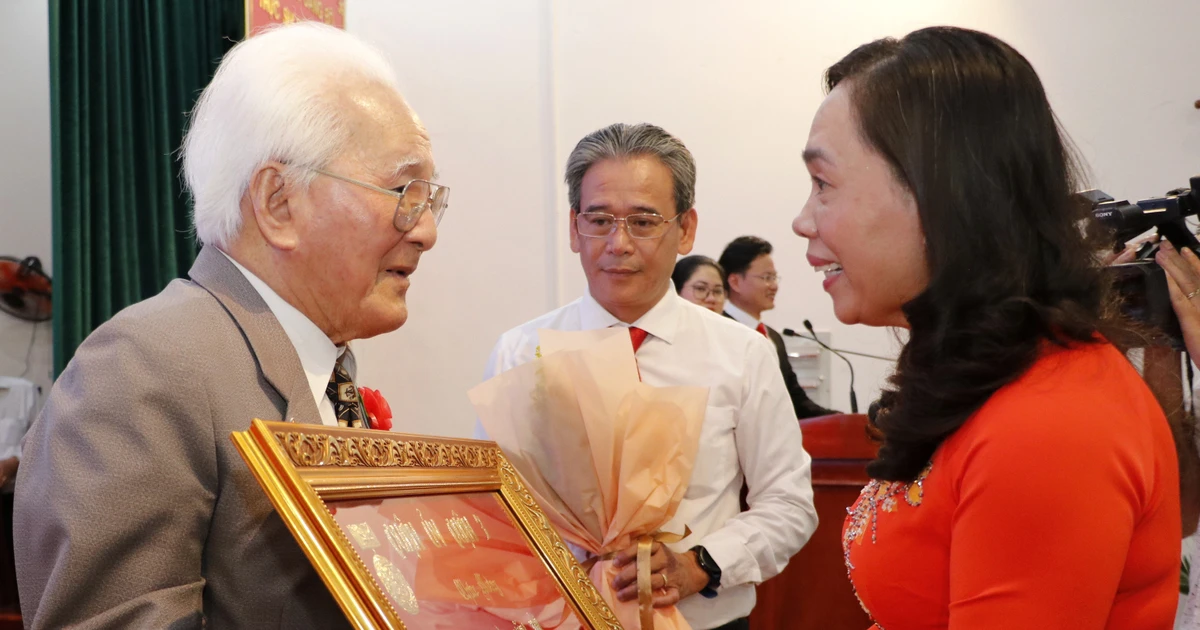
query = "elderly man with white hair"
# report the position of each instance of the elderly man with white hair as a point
(314, 202)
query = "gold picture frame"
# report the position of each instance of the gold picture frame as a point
(319, 478)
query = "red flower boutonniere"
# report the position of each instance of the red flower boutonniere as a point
(379, 412)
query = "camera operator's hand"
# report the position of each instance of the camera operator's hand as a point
(1108, 259)
(1125, 256)
(1183, 281)
(1128, 254)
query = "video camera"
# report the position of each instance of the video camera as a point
(1142, 284)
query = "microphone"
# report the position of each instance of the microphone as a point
(808, 325)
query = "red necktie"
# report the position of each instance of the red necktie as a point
(637, 336)
(762, 328)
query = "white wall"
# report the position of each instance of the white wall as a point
(486, 102)
(25, 171)
(508, 89)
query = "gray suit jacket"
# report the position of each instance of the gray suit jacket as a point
(133, 509)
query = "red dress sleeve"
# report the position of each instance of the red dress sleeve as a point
(1049, 500)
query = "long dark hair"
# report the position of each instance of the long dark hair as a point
(965, 124)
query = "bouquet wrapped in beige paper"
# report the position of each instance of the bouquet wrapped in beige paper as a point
(607, 456)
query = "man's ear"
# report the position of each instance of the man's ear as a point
(687, 231)
(735, 282)
(575, 245)
(269, 195)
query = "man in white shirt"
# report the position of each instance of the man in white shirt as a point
(310, 176)
(631, 191)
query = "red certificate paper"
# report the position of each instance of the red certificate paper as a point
(454, 561)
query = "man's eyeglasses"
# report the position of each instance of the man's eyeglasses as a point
(641, 225)
(702, 291)
(411, 199)
(769, 278)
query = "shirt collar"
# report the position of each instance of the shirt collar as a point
(661, 321)
(316, 351)
(742, 316)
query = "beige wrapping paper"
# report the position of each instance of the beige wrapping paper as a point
(607, 457)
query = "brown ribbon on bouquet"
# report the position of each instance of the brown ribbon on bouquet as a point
(607, 457)
(645, 588)
(645, 583)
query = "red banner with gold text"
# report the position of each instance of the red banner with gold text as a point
(263, 13)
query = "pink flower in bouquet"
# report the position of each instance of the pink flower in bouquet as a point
(379, 412)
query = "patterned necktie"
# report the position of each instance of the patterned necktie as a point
(762, 329)
(344, 395)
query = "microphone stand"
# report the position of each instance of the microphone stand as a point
(808, 325)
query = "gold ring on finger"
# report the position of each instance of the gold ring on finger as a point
(1192, 294)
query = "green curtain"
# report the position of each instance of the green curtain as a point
(123, 75)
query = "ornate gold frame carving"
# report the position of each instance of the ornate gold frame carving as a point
(301, 466)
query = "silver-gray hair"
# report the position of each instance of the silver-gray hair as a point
(620, 141)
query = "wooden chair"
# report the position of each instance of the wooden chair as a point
(814, 592)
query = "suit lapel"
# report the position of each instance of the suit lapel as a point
(777, 339)
(276, 356)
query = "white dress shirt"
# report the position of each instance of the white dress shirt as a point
(18, 400)
(742, 316)
(749, 433)
(317, 353)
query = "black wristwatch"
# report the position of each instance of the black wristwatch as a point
(709, 566)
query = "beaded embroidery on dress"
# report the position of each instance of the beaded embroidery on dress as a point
(876, 496)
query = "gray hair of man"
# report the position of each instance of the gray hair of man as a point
(274, 97)
(620, 141)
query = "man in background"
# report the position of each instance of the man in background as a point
(752, 285)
